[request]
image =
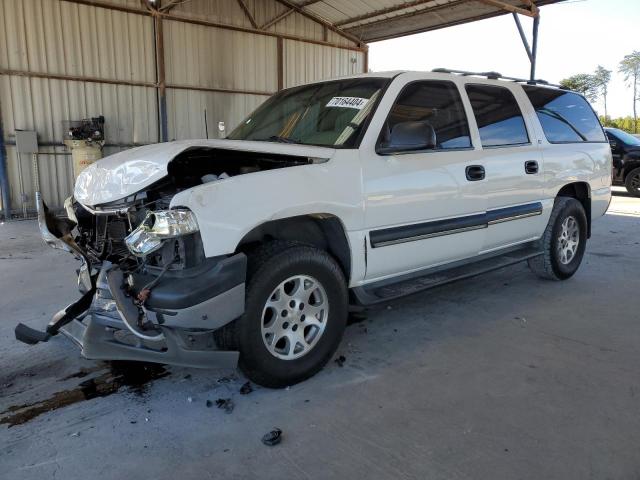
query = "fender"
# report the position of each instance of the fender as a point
(225, 215)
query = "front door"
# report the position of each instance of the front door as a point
(424, 208)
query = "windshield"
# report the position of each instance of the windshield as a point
(625, 137)
(326, 114)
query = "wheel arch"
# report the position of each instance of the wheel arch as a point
(581, 191)
(322, 230)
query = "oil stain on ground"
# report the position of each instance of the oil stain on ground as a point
(133, 376)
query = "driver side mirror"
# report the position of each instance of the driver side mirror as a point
(613, 144)
(408, 137)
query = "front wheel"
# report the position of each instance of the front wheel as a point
(632, 182)
(295, 314)
(563, 242)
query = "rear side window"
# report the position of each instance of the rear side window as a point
(498, 116)
(437, 103)
(566, 117)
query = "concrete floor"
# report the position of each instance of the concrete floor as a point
(499, 377)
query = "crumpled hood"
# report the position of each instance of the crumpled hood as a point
(122, 174)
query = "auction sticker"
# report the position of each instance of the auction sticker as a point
(348, 102)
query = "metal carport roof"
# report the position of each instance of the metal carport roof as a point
(374, 20)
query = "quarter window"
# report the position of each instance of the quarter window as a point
(438, 104)
(566, 117)
(498, 116)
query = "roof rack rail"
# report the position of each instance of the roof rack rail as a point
(498, 76)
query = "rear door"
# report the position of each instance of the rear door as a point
(513, 164)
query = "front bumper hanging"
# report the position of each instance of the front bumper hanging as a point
(185, 307)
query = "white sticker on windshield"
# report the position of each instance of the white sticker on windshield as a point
(348, 102)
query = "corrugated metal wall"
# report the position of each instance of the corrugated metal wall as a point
(222, 72)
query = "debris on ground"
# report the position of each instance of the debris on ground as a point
(189, 399)
(340, 360)
(75, 434)
(226, 379)
(246, 389)
(187, 376)
(272, 438)
(226, 404)
(209, 404)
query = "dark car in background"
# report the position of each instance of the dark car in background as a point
(626, 159)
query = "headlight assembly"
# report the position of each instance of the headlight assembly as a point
(158, 226)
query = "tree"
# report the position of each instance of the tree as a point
(630, 68)
(602, 77)
(583, 83)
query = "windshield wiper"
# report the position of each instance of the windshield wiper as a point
(279, 139)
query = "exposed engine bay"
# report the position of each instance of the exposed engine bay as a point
(102, 231)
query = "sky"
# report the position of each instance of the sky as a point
(574, 37)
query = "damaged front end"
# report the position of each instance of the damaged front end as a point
(148, 291)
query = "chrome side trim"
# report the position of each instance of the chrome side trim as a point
(429, 235)
(437, 228)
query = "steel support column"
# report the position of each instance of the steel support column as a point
(534, 47)
(4, 176)
(161, 79)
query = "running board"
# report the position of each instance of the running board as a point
(409, 284)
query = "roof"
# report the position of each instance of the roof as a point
(374, 20)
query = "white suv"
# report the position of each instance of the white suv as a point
(359, 190)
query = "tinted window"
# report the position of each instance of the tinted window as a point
(437, 103)
(498, 116)
(565, 116)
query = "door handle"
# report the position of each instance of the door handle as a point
(531, 167)
(474, 173)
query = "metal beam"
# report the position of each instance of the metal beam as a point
(277, 18)
(247, 13)
(161, 79)
(321, 21)
(525, 42)
(280, 63)
(76, 78)
(4, 176)
(224, 26)
(508, 7)
(382, 11)
(168, 86)
(534, 49)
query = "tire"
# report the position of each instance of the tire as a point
(632, 182)
(553, 264)
(263, 335)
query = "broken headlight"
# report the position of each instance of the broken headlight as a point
(158, 226)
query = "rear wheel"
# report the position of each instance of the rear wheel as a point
(632, 182)
(295, 314)
(564, 241)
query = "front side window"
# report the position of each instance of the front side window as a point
(439, 106)
(498, 116)
(327, 114)
(566, 117)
